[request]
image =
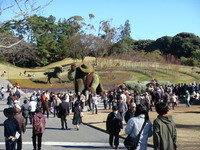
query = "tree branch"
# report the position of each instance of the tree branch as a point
(3, 46)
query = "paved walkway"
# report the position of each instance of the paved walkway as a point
(88, 137)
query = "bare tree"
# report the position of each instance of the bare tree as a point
(100, 47)
(20, 53)
(18, 9)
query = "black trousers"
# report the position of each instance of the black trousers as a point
(63, 121)
(19, 142)
(46, 111)
(31, 114)
(115, 137)
(10, 145)
(37, 137)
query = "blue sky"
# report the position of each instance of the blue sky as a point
(149, 19)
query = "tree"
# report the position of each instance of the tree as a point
(99, 47)
(164, 44)
(22, 9)
(106, 32)
(126, 30)
(22, 54)
(183, 44)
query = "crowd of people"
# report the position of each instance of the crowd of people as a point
(131, 107)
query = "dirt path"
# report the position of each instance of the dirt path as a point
(187, 121)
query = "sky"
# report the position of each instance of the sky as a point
(149, 19)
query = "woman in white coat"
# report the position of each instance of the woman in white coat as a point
(135, 124)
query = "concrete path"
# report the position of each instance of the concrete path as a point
(56, 139)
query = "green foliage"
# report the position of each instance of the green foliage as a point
(164, 44)
(187, 61)
(183, 44)
(134, 85)
(196, 54)
(53, 41)
(2, 58)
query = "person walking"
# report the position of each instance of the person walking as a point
(77, 119)
(38, 129)
(130, 112)
(187, 98)
(56, 104)
(10, 100)
(111, 99)
(25, 111)
(95, 101)
(136, 123)
(45, 106)
(104, 97)
(173, 100)
(32, 105)
(114, 126)
(11, 127)
(164, 129)
(64, 112)
(22, 127)
(2, 93)
(122, 106)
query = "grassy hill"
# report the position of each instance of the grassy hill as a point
(112, 72)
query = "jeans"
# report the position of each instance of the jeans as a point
(188, 103)
(94, 107)
(105, 102)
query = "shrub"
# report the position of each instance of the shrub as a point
(135, 85)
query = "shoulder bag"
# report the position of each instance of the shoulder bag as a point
(131, 143)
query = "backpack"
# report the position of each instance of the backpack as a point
(38, 125)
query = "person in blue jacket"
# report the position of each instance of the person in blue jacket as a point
(11, 128)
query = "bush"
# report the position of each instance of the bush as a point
(187, 61)
(141, 86)
(134, 85)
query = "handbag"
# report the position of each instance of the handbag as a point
(131, 143)
(81, 114)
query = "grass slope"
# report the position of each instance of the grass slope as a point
(112, 73)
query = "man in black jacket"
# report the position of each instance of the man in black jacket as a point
(114, 126)
(130, 113)
(63, 113)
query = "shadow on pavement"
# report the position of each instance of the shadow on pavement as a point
(90, 147)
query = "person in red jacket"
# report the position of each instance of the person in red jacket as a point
(38, 128)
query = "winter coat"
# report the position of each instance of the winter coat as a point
(129, 114)
(36, 118)
(77, 110)
(45, 105)
(25, 110)
(114, 123)
(21, 122)
(133, 128)
(122, 107)
(164, 139)
(10, 127)
(10, 100)
(63, 108)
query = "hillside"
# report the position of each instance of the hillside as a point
(112, 73)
